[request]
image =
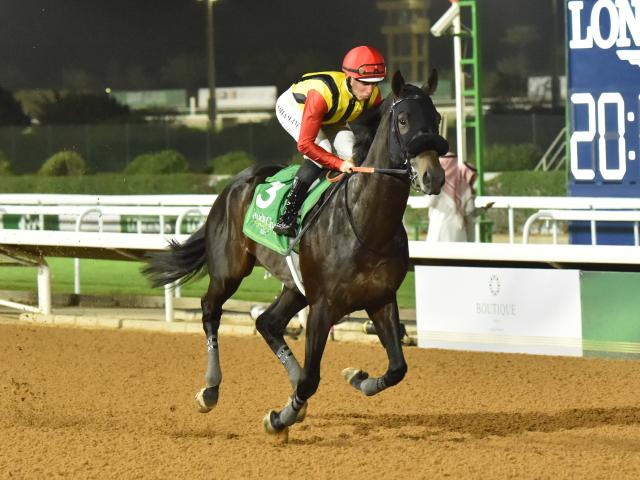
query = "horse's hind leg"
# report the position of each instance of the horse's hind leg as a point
(272, 323)
(220, 289)
(387, 323)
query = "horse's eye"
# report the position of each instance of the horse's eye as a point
(403, 122)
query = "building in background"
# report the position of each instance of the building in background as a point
(168, 100)
(406, 28)
(234, 104)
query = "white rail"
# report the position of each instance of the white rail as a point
(96, 200)
(554, 203)
(591, 216)
(35, 244)
(549, 254)
(85, 209)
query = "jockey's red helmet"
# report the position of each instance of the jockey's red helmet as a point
(365, 64)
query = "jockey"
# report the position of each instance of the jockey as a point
(316, 110)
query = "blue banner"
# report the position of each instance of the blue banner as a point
(603, 41)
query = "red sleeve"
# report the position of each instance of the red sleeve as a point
(315, 108)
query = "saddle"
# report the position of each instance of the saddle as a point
(268, 203)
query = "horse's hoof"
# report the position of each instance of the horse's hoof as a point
(280, 435)
(354, 377)
(206, 399)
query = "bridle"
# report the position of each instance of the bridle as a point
(398, 147)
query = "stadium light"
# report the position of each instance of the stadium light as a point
(211, 64)
(444, 23)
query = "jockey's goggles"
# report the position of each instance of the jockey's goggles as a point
(369, 72)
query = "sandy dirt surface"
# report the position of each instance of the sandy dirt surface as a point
(118, 404)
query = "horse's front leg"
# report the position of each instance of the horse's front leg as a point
(272, 323)
(319, 324)
(387, 323)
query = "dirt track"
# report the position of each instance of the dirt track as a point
(117, 404)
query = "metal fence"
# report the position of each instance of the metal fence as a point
(110, 148)
(539, 129)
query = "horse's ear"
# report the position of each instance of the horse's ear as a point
(397, 83)
(432, 84)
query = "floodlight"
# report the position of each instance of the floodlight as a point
(444, 22)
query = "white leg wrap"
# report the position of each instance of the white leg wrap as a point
(213, 377)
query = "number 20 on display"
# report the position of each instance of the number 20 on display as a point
(596, 120)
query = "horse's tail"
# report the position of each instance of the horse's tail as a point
(180, 263)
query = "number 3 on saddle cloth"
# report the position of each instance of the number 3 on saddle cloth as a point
(268, 204)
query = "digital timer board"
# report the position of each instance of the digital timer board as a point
(603, 41)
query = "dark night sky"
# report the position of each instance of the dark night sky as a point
(43, 43)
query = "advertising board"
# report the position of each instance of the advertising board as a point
(517, 310)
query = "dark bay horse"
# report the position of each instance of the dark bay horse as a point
(353, 257)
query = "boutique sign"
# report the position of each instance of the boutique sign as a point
(499, 309)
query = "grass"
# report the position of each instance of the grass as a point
(108, 277)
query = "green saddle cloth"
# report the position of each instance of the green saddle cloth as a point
(268, 204)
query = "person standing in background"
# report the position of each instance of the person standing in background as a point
(451, 212)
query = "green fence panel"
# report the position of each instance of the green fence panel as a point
(29, 222)
(611, 313)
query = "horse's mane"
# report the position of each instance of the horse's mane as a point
(365, 128)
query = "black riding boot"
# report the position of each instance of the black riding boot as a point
(287, 222)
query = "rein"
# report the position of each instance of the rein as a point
(397, 148)
(387, 171)
(351, 223)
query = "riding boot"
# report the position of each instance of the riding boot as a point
(287, 222)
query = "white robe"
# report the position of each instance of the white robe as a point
(446, 224)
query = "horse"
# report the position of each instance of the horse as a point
(353, 257)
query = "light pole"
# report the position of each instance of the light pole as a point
(211, 65)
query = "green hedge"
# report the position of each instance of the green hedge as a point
(503, 158)
(528, 184)
(523, 184)
(5, 164)
(155, 163)
(65, 163)
(231, 163)
(110, 184)
(508, 184)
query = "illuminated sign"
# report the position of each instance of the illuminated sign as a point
(603, 38)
